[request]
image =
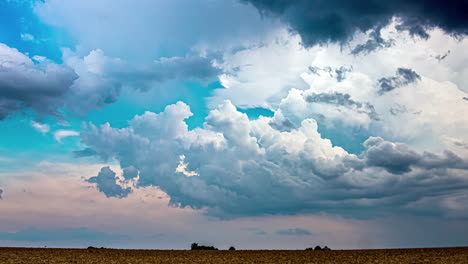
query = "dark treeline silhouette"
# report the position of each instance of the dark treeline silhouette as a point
(195, 246)
(318, 248)
(91, 247)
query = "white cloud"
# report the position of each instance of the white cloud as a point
(62, 133)
(283, 76)
(43, 128)
(182, 168)
(27, 37)
(262, 74)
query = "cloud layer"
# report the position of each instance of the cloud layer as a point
(82, 84)
(248, 167)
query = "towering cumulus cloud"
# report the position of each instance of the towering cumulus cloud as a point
(338, 20)
(234, 166)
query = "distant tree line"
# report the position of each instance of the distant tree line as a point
(195, 246)
(318, 248)
(91, 247)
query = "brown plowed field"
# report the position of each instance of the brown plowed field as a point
(105, 256)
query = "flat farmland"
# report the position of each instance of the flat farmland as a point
(101, 256)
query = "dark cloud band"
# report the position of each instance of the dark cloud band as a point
(338, 20)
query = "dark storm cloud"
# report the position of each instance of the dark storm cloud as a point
(403, 77)
(344, 100)
(321, 22)
(294, 232)
(106, 182)
(87, 152)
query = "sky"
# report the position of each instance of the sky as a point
(259, 124)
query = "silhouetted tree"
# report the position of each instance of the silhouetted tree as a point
(317, 248)
(326, 248)
(232, 248)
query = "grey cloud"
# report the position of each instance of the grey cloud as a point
(188, 67)
(374, 42)
(102, 80)
(403, 77)
(461, 144)
(414, 28)
(465, 98)
(320, 22)
(282, 125)
(294, 232)
(1, 192)
(130, 173)
(24, 84)
(338, 73)
(443, 56)
(344, 100)
(314, 69)
(247, 167)
(106, 182)
(398, 109)
(87, 152)
(83, 84)
(397, 158)
(341, 72)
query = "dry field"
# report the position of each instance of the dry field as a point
(101, 256)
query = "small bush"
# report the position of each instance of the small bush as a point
(317, 248)
(232, 248)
